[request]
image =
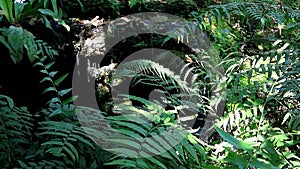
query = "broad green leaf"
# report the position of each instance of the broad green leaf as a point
(7, 7)
(69, 100)
(233, 141)
(237, 160)
(49, 12)
(19, 7)
(261, 164)
(54, 6)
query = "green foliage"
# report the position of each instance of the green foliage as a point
(15, 131)
(7, 7)
(66, 144)
(56, 136)
(64, 140)
(260, 127)
(16, 39)
(258, 42)
(148, 138)
(20, 13)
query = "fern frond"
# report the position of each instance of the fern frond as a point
(64, 138)
(247, 12)
(153, 69)
(15, 131)
(142, 138)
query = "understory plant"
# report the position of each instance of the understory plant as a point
(260, 127)
(258, 43)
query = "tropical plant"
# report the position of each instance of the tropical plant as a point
(143, 137)
(258, 42)
(20, 13)
(261, 66)
(16, 131)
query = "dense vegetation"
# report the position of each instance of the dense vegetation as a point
(258, 46)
